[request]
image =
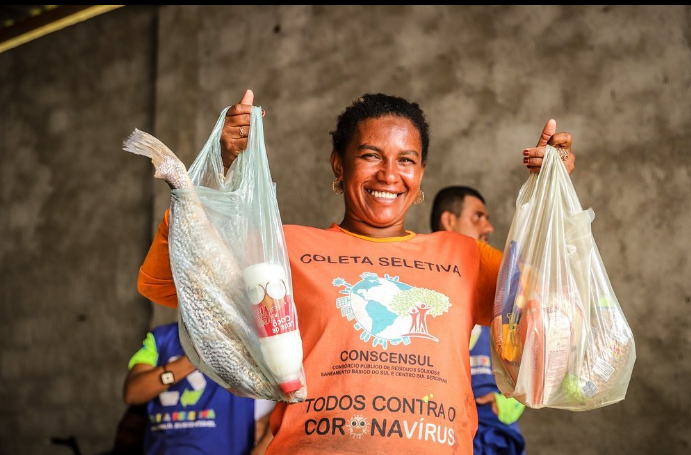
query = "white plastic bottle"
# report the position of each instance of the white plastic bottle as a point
(275, 318)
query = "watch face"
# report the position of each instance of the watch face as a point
(167, 378)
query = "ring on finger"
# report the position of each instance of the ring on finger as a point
(563, 153)
(242, 132)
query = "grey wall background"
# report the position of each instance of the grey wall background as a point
(77, 213)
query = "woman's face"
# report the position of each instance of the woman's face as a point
(381, 171)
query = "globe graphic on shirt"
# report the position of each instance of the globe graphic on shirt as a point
(388, 310)
(371, 302)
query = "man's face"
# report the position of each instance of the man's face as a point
(473, 220)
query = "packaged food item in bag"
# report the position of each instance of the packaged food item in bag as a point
(560, 337)
(238, 322)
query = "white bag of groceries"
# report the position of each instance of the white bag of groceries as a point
(560, 337)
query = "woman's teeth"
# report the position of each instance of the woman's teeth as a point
(383, 194)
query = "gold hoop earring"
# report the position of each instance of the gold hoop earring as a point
(420, 197)
(337, 186)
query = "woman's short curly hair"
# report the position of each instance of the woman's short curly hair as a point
(375, 106)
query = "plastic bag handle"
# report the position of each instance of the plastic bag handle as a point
(207, 169)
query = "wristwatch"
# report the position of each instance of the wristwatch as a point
(167, 377)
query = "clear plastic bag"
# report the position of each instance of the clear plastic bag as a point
(238, 322)
(561, 339)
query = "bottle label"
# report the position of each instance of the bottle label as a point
(275, 312)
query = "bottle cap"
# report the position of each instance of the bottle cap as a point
(291, 386)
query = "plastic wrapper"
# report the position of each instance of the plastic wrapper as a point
(560, 337)
(238, 322)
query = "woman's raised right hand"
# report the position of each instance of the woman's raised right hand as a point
(236, 129)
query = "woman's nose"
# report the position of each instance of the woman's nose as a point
(387, 171)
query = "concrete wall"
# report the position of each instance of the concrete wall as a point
(75, 221)
(617, 78)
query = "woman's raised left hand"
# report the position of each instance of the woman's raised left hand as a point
(533, 156)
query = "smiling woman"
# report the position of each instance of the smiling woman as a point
(379, 155)
(381, 171)
(370, 285)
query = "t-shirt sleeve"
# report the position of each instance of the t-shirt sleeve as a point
(490, 262)
(148, 354)
(155, 280)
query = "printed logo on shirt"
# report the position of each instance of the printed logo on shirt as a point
(358, 426)
(382, 261)
(178, 420)
(389, 311)
(480, 364)
(360, 417)
(189, 397)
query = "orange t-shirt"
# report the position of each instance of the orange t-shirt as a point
(385, 326)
